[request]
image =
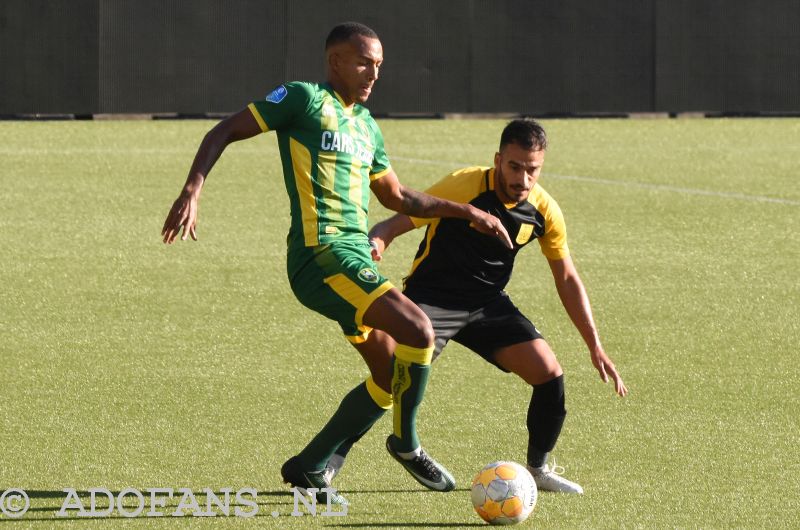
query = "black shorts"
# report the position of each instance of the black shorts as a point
(484, 330)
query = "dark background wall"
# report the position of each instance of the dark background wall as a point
(519, 56)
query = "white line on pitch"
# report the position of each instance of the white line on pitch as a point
(630, 184)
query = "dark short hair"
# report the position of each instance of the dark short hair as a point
(345, 30)
(525, 132)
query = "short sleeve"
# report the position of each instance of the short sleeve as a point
(380, 161)
(554, 240)
(282, 106)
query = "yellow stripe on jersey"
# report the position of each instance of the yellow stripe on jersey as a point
(257, 116)
(326, 178)
(301, 165)
(428, 237)
(357, 297)
(345, 108)
(329, 121)
(326, 168)
(356, 194)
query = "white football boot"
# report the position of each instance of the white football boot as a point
(549, 479)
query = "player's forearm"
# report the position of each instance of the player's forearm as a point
(576, 303)
(388, 229)
(418, 204)
(208, 153)
(236, 127)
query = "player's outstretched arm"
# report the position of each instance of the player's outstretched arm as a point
(398, 198)
(576, 302)
(183, 214)
(382, 234)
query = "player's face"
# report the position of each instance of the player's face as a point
(516, 171)
(354, 67)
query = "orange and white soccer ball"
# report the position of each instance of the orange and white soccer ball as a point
(504, 493)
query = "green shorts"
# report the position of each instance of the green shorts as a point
(338, 280)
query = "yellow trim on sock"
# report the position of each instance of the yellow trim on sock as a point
(400, 383)
(381, 397)
(410, 354)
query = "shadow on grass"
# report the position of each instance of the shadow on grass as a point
(408, 525)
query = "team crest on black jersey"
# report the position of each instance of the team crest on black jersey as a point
(277, 95)
(524, 234)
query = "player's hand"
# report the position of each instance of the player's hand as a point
(378, 246)
(182, 215)
(607, 369)
(488, 224)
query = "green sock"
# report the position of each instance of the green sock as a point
(409, 379)
(355, 415)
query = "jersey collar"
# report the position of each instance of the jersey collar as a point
(345, 109)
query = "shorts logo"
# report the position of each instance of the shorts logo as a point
(277, 95)
(368, 275)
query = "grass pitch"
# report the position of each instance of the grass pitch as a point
(129, 364)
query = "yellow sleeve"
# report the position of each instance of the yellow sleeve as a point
(459, 186)
(554, 241)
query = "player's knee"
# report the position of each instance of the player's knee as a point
(553, 371)
(535, 376)
(423, 331)
(417, 328)
(551, 395)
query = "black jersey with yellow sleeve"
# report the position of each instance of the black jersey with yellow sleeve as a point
(456, 266)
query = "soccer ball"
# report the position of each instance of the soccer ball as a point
(504, 493)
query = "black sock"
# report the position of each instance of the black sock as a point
(546, 415)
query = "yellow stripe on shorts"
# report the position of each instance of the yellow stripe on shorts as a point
(362, 337)
(355, 295)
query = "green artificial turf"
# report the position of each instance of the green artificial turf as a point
(130, 364)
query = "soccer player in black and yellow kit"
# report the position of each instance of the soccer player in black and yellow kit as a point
(458, 278)
(333, 155)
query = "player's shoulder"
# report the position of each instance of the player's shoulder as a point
(469, 173)
(543, 201)
(293, 91)
(472, 178)
(462, 185)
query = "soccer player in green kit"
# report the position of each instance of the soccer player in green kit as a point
(333, 155)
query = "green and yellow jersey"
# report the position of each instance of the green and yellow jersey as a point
(457, 267)
(330, 154)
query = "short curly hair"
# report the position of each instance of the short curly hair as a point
(525, 132)
(345, 30)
